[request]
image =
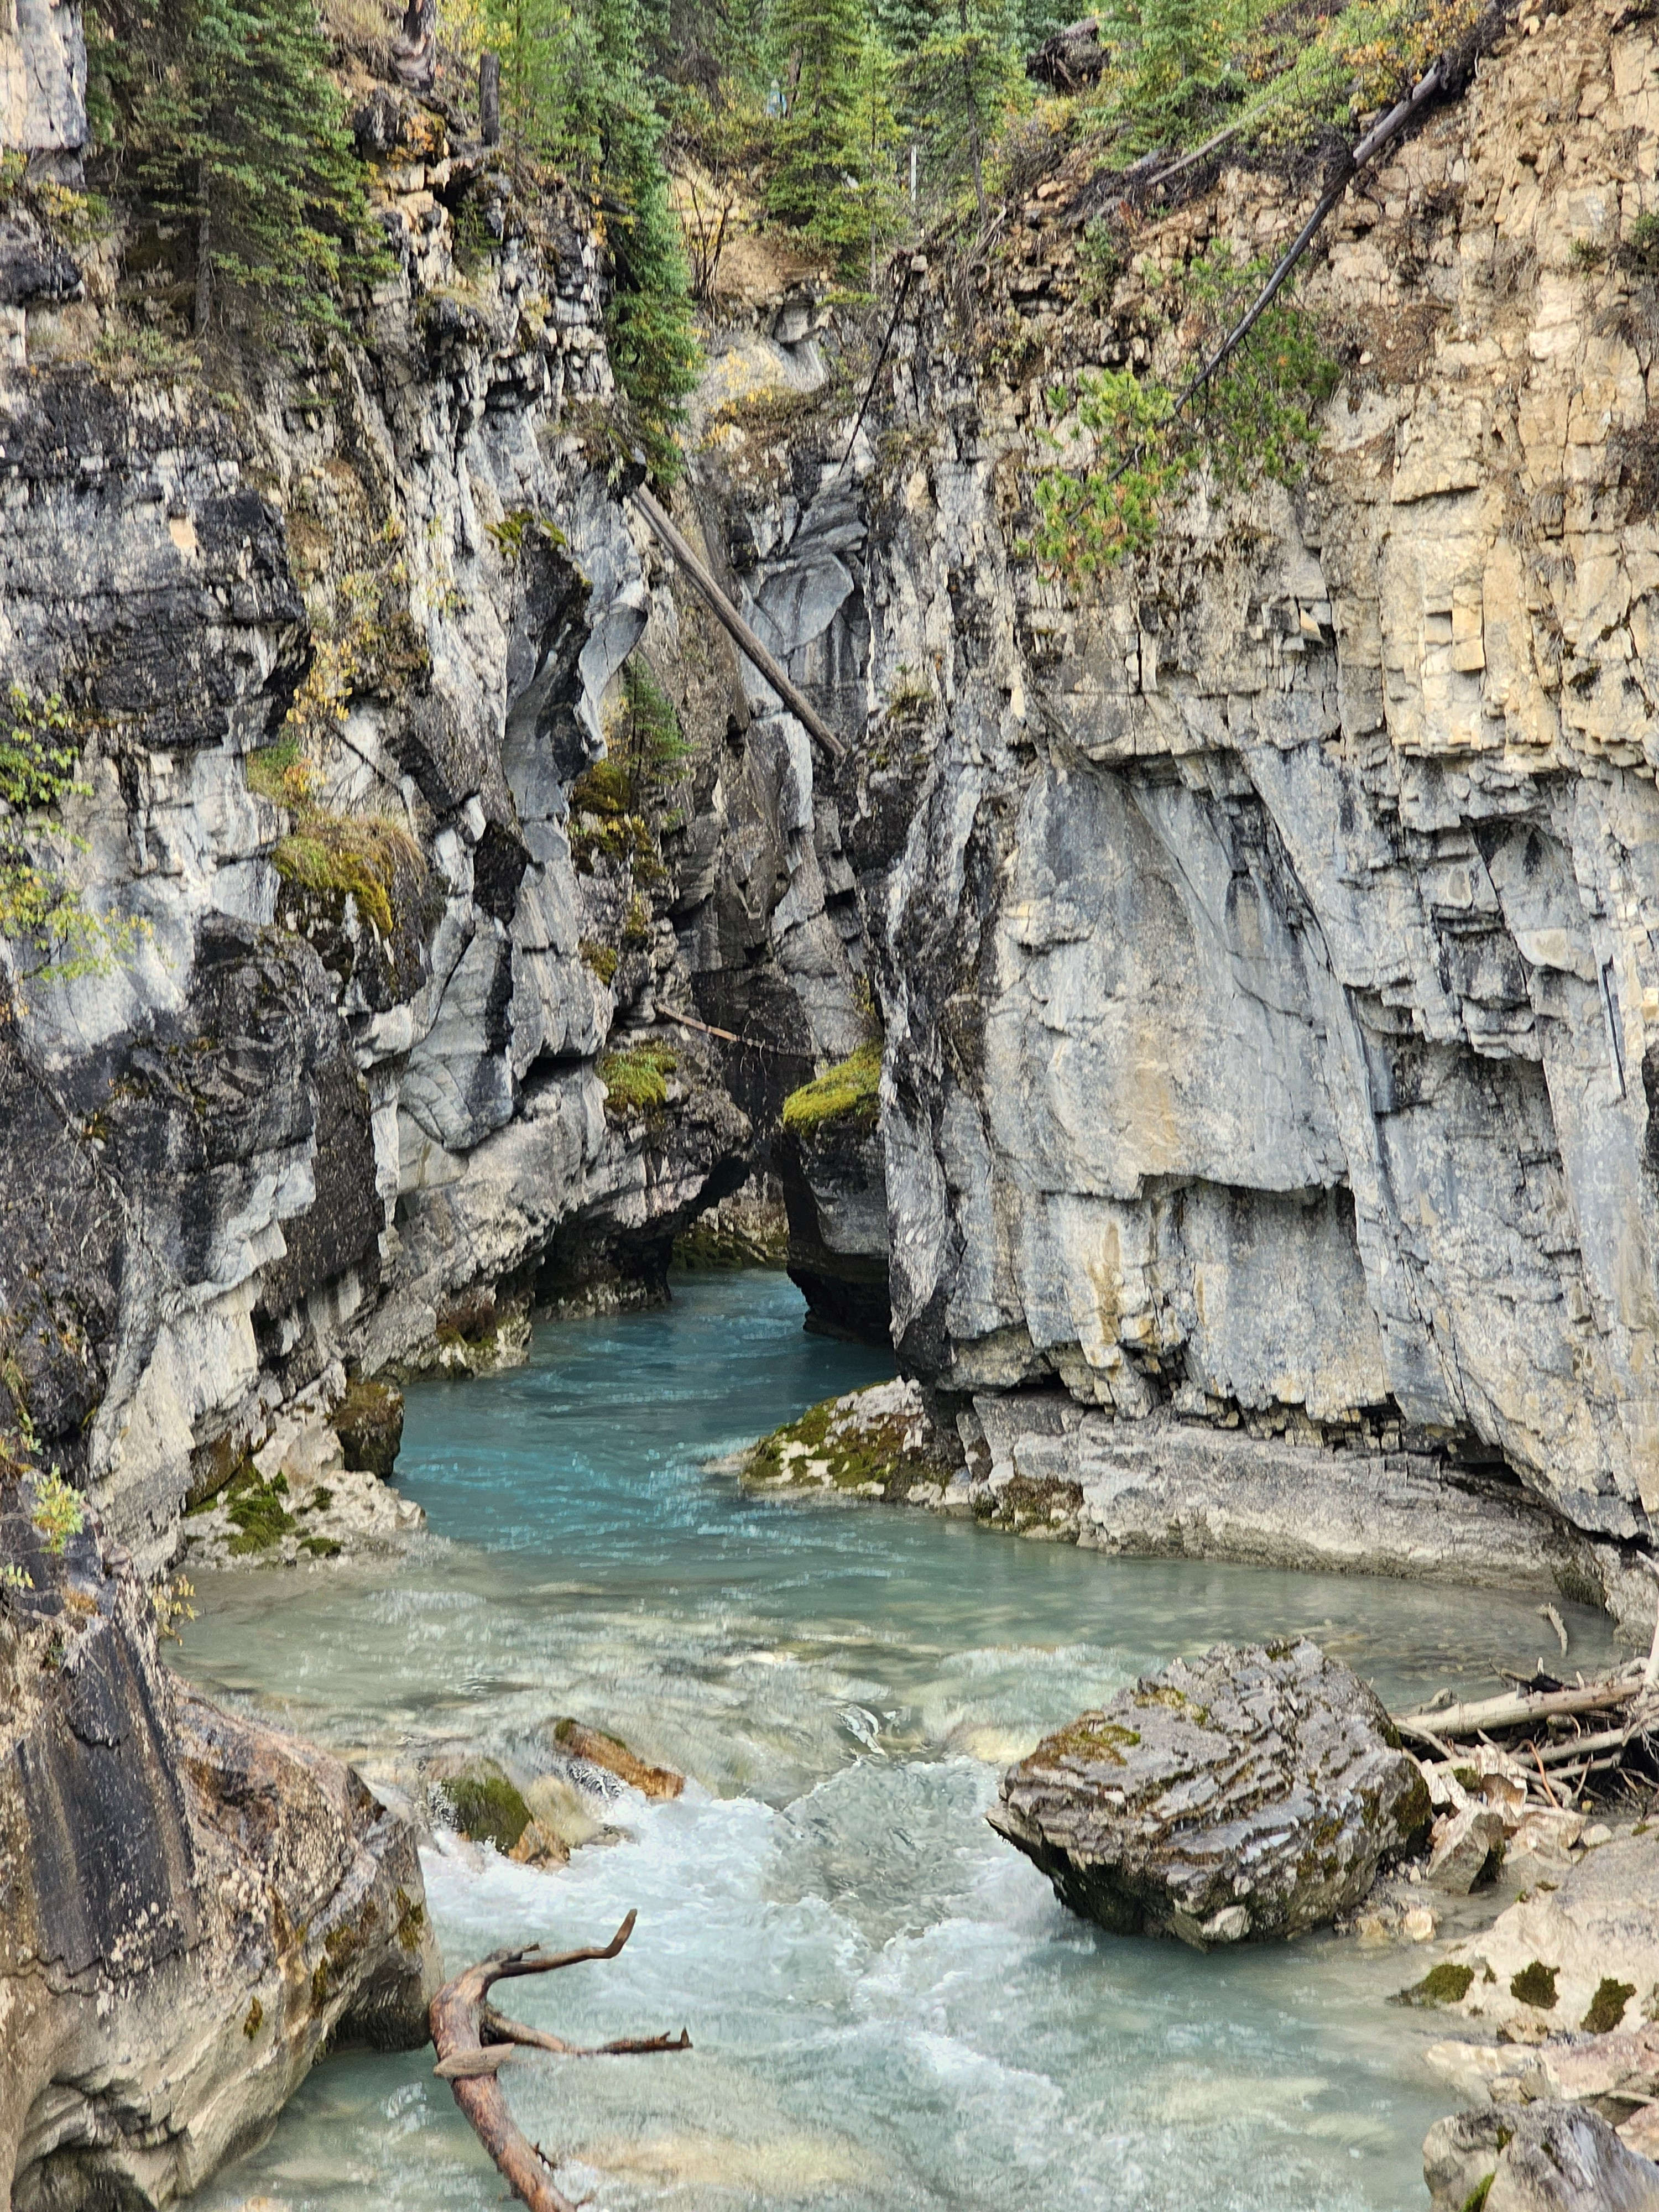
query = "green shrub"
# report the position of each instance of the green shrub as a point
(1254, 420)
(58, 1512)
(636, 1081)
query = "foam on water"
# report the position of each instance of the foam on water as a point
(888, 2007)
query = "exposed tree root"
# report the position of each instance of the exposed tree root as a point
(474, 2041)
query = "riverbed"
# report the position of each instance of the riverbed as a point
(887, 2006)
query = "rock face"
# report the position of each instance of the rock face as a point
(1265, 943)
(340, 1094)
(1253, 1793)
(1554, 1959)
(195, 1904)
(1536, 2158)
(836, 1199)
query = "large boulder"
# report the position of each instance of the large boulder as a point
(1536, 2158)
(195, 1907)
(1253, 1792)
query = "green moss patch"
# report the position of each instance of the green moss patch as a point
(257, 1509)
(1608, 2006)
(1447, 1983)
(636, 1081)
(1535, 1985)
(488, 1809)
(849, 1092)
(1093, 1737)
(358, 855)
(1476, 2199)
(839, 1445)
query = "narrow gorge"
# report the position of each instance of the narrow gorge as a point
(1200, 1023)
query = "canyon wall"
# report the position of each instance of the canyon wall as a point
(1262, 934)
(1268, 945)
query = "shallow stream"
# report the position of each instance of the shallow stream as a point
(888, 2006)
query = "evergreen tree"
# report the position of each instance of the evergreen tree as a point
(836, 177)
(576, 96)
(237, 135)
(957, 88)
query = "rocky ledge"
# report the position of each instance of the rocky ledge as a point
(196, 1905)
(1251, 1793)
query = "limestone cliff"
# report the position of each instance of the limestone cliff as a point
(1266, 934)
(1263, 936)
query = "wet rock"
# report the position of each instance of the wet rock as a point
(195, 1904)
(593, 1746)
(835, 1190)
(1554, 1959)
(370, 1423)
(1468, 1848)
(1536, 2158)
(877, 1442)
(1253, 1792)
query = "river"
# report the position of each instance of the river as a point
(888, 2007)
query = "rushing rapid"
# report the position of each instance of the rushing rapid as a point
(888, 2007)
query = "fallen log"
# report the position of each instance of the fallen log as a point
(1517, 1710)
(460, 2018)
(736, 627)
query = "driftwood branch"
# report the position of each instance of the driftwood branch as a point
(1519, 1708)
(736, 627)
(460, 2018)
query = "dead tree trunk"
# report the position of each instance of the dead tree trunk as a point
(489, 99)
(461, 2019)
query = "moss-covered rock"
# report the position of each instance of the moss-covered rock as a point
(488, 1804)
(370, 1423)
(877, 1442)
(849, 1091)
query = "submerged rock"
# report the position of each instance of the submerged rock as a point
(1253, 1792)
(195, 1905)
(592, 1746)
(1536, 2158)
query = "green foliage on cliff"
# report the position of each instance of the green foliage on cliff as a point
(575, 93)
(1124, 454)
(636, 1081)
(221, 117)
(49, 929)
(359, 855)
(849, 1091)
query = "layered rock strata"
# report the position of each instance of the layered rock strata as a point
(1266, 934)
(195, 1905)
(1251, 1793)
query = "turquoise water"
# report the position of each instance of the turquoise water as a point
(888, 2007)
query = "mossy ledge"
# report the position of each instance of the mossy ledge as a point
(361, 856)
(849, 1091)
(877, 1442)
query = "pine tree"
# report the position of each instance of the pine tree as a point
(576, 96)
(836, 177)
(237, 135)
(957, 89)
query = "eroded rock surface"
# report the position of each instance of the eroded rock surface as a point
(1252, 1793)
(194, 1904)
(1536, 2158)
(1554, 1959)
